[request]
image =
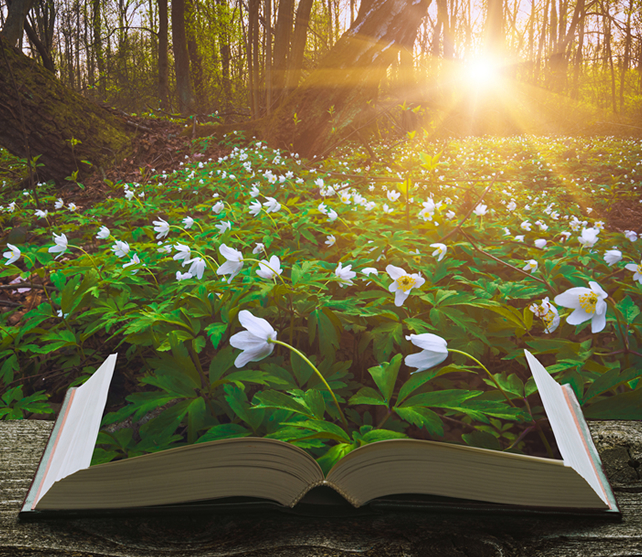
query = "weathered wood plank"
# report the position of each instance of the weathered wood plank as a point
(276, 535)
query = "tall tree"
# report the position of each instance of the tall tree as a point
(338, 96)
(14, 25)
(181, 57)
(163, 58)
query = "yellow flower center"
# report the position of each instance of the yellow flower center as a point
(548, 319)
(405, 283)
(588, 301)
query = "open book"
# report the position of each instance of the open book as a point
(393, 473)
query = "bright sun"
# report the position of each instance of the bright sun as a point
(482, 72)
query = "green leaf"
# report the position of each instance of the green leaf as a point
(421, 417)
(327, 430)
(629, 310)
(624, 406)
(367, 395)
(216, 331)
(336, 453)
(224, 431)
(276, 399)
(482, 439)
(385, 376)
(609, 380)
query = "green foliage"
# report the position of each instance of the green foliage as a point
(157, 287)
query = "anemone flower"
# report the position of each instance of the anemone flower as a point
(255, 342)
(433, 351)
(586, 303)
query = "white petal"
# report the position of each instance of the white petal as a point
(595, 287)
(400, 297)
(598, 322)
(258, 326)
(395, 272)
(578, 316)
(571, 298)
(425, 359)
(428, 341)
(254, 355)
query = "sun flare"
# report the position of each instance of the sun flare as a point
(482, 72)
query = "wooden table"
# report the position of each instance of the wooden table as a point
(278, 535)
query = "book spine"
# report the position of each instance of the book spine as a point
(340, 491)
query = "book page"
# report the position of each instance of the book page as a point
(77, 439)
(568, 435)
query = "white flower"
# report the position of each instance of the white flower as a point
(72, 206)
(599, 225)
(183, 252)
(12, 256)
(531, 266)
(255, 208)
(269, 269)
(164, 248)
(345, 275)
(41, 214)
(403, 283)
(223, 226)
(548, 313)
(254, 191)
(433, 351)
(103, 233)
(540, 243)
(612, 256)
(197, 267)
(370, 271)
(330, 240)
(526, 226)
(587, 303)
(61, 245)
(345, 197)
(218, 207)
(129, 194)
(188, 222)
(255, 343)
(133, 261)
(565, 235)
(631, 235)
(332, 215)
(480, 210)
(393, 195)
(323, 208)
(258, 248)
(161, 227)
(183, 276)
(637, 270)
(271, 205)
(450, 215)
(387, 209)
(59, 204)
(234, 262)
(120, 249)
(440, 251)
(511, 205)
(588, 237)
(519, 237)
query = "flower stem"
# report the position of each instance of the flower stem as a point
(486, 370)
(300, 354)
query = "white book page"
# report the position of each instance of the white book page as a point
(567, 433)
(75, 444)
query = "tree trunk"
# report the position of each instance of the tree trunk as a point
(18, 10)
(181, 57)
(40, 116)
(295, 62)
(337, 97)
(163, 57)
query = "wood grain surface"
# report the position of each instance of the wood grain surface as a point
(283, 535)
